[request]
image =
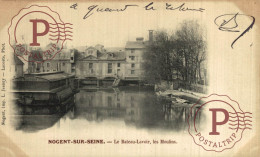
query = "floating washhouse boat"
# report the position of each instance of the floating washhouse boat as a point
(44, 89)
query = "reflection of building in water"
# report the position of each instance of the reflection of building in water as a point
(141, 109)
(99, 105)
(33, 123)
(133, 110)
(110, 103)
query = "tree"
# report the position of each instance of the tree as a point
(180, 53)
(158, 65)
(191, 46)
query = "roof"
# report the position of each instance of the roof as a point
(54, 77)
(63, 55)
(50, 76)
(36, 55)
(107, 56)
(135, 44)
(90, 57)
(114, 49)
(113, 55)
(45, 73)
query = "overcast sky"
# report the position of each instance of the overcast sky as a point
(114, 29)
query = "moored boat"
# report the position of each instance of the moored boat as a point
(48, 90)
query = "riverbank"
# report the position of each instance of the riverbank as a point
(182, 97)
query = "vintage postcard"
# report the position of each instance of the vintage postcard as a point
(129, 78)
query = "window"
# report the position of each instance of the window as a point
(90, 101)
(118, 64)
(90, 66)
(48, 65)
(109, 101)
(132, 51)
(132, 65)
(132, 72)
(111, 55)
(59, 67)
(109, 68)
(132, 57)
(63, 64)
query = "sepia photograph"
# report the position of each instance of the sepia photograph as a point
(129, 79)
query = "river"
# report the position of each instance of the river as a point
(125, 107)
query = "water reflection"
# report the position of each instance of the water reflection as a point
(135, 107)
(32, 123)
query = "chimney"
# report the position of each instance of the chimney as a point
(140, 39)
(150, 35)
